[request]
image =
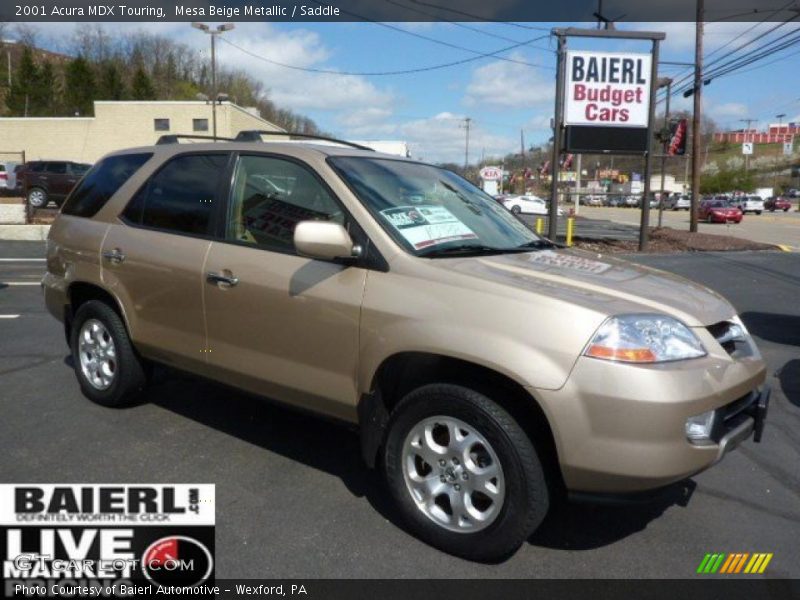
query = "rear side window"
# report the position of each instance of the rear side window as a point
(180, 197)
(101, 182)
(59, 168)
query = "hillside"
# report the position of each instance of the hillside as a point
(139, 66)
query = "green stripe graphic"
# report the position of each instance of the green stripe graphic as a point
(701, 568)
(718, 564)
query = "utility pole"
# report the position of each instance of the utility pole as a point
(552, 213)
(466, 126)
(219, 30)
(698, 107)
(578, 183)
(780, 150)
(522, 144)
(667, 83)
(747, 139)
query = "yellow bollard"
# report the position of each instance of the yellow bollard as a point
(539, 225)
(570, 229)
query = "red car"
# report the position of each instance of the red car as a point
(777, 203)
(719, 211)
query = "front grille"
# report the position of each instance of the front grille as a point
(732, 338)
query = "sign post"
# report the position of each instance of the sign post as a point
(605, 104)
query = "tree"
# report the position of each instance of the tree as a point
(112, 87)
(23, 85)
(142, 86)
(44, 97)
(80, 89)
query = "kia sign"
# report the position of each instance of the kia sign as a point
(607, 88)
(491, 173)
(606, 101)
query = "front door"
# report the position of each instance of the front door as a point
(153, 261)
(279, 324)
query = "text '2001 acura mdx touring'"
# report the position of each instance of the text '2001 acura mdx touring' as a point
(486, 369)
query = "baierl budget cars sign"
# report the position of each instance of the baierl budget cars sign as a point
(607, 89)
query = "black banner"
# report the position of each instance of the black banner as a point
(522, 11)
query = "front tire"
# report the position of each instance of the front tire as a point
(462, 472)
(516, 210)
(108, 369)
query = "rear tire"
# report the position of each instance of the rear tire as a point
(758, 212)
(37, 198)
(106, 365)
(483, 461)
(516, 210)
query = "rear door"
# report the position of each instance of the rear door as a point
(279, 324)
(153, 259)
(56, 175)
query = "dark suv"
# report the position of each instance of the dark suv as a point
(46, 180)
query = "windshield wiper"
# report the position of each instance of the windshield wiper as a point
(536, 245)
(463, 249)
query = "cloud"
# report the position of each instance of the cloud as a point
(503, 84)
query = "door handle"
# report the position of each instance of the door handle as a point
(114, 256)
(222, 279)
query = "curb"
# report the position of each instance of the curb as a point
(24, 232)
(785, 248)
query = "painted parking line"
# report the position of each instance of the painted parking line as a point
(22, 259)
(9, 316)
(20, 283)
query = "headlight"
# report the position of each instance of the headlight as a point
(644, 339)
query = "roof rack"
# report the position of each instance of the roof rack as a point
(173, 138)
(254, 135)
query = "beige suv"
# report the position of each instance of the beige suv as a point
(486, 368)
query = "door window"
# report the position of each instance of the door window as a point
(180, 197)
(58, 168)
(270, 197)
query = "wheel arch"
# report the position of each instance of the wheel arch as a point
(80, 292)
(403, 372)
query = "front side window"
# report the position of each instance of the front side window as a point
(57, 168)
(433, 212)
(270, 197)
(180, 197)
(101, 183)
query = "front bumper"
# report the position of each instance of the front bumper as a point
(620, 428)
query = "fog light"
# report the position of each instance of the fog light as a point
(698, 427)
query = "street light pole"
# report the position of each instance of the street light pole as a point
(696, 116)
(780, 150)
(219, 30)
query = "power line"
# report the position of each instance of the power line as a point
(383, 73)
(463, 25)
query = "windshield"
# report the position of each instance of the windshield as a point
(433, 212)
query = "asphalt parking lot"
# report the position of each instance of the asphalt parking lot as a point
(294, 500)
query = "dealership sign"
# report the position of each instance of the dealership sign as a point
(106, 539)
(607, 88)
(491, 173)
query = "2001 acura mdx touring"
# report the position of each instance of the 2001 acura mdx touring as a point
(485, 368)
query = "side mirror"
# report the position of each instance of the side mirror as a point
(324, 240)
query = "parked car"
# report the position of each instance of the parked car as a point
(45, 181)
(485, 368)
(3, 178)
(748, 204)
(678, 202)
(777, 203)
(528, 205)
(632, 201)
(719, 211)
(615, 201)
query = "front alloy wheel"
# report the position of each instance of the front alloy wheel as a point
(453, 474)
(462, 472)
(37, 198)
(97, 353)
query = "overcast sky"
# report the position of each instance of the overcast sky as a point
(501, 96)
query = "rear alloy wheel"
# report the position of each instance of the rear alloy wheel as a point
(108, 370)
(464, 475)
(37, 198)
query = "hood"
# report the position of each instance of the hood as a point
(608, 285)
